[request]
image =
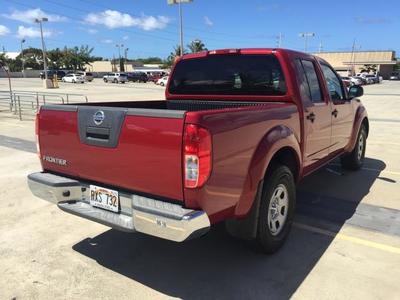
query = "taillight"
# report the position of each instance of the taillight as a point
(196, 155)
(37, 134)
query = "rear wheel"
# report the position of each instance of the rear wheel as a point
(355, 159)
(115, 80)
(73, 81)
(276, 209)
(105, 80)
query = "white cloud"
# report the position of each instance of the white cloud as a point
(208, 22)
(107, 41)
(115, 19)
(4, 30)
(29, 16)
(92, 31)
(125, 37)
(31, 32)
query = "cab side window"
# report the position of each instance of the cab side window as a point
(333, 83)
(309, 85)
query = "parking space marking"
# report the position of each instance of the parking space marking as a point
(346, 237)
(382, 143)
(371, 169)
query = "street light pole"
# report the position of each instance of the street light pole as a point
(22, 58)
(179, 2)
(181, 27)
(306, 35)
(40, 21)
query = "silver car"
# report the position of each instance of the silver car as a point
(115, 77)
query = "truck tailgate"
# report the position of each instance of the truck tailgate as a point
(134, 149)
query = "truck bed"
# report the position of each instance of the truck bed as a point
(137, 147)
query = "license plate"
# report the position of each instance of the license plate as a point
(104, 198)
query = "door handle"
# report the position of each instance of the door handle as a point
(335, 113)
(311, 117)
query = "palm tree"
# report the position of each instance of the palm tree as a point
(197, 46)
(174, 54)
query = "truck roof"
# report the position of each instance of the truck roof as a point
(242, 51)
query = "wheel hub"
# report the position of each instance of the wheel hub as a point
(278, 209)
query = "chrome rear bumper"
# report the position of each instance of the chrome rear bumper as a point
(137, 213)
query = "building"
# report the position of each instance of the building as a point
(350, 63)
(104, 66)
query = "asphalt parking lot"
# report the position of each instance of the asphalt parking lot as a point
(345, 243)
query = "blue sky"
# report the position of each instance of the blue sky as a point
(150, 27)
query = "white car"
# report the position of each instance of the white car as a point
(74, 78)
(162, 81)
(356, 80)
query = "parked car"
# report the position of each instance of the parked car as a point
(371, 79)
(88, 76)
(356, 80)
(115, 77)
(162, 81)
(137, 77)
(347, 81)
(394, 76)
(74, 78)
(363, 79)
(154, 77)
(50, 74)
(229, 144)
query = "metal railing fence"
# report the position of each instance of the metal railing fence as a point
(25, 103)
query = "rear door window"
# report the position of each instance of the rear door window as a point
(229, 75)
(309, 84)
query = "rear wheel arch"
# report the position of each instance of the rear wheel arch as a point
(285, 156)
(279, 145)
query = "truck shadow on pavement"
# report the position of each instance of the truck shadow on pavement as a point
(217, 266)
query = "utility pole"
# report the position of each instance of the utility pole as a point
(352, 64)
(320, 48)
(40, 21)
(126, 59)
(179, 2)
(22, 58)
(119, 46)
(279, 40)
(306, 35)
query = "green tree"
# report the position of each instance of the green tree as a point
(33, 58)
(173, 55)
(368, 69)
(196, 46)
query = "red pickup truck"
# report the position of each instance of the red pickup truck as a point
(238, 129)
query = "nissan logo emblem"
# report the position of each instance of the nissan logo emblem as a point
(98, 117)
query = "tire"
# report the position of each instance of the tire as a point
(279, 188)
(73, 81)
(115, 80)
(162, 83)
(105, 80)
(355, 159)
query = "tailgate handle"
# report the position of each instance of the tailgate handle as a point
(98, 133)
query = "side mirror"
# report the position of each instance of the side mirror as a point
(355, 91)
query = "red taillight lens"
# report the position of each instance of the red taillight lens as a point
(196, 155)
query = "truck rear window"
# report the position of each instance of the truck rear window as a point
(229, 75)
